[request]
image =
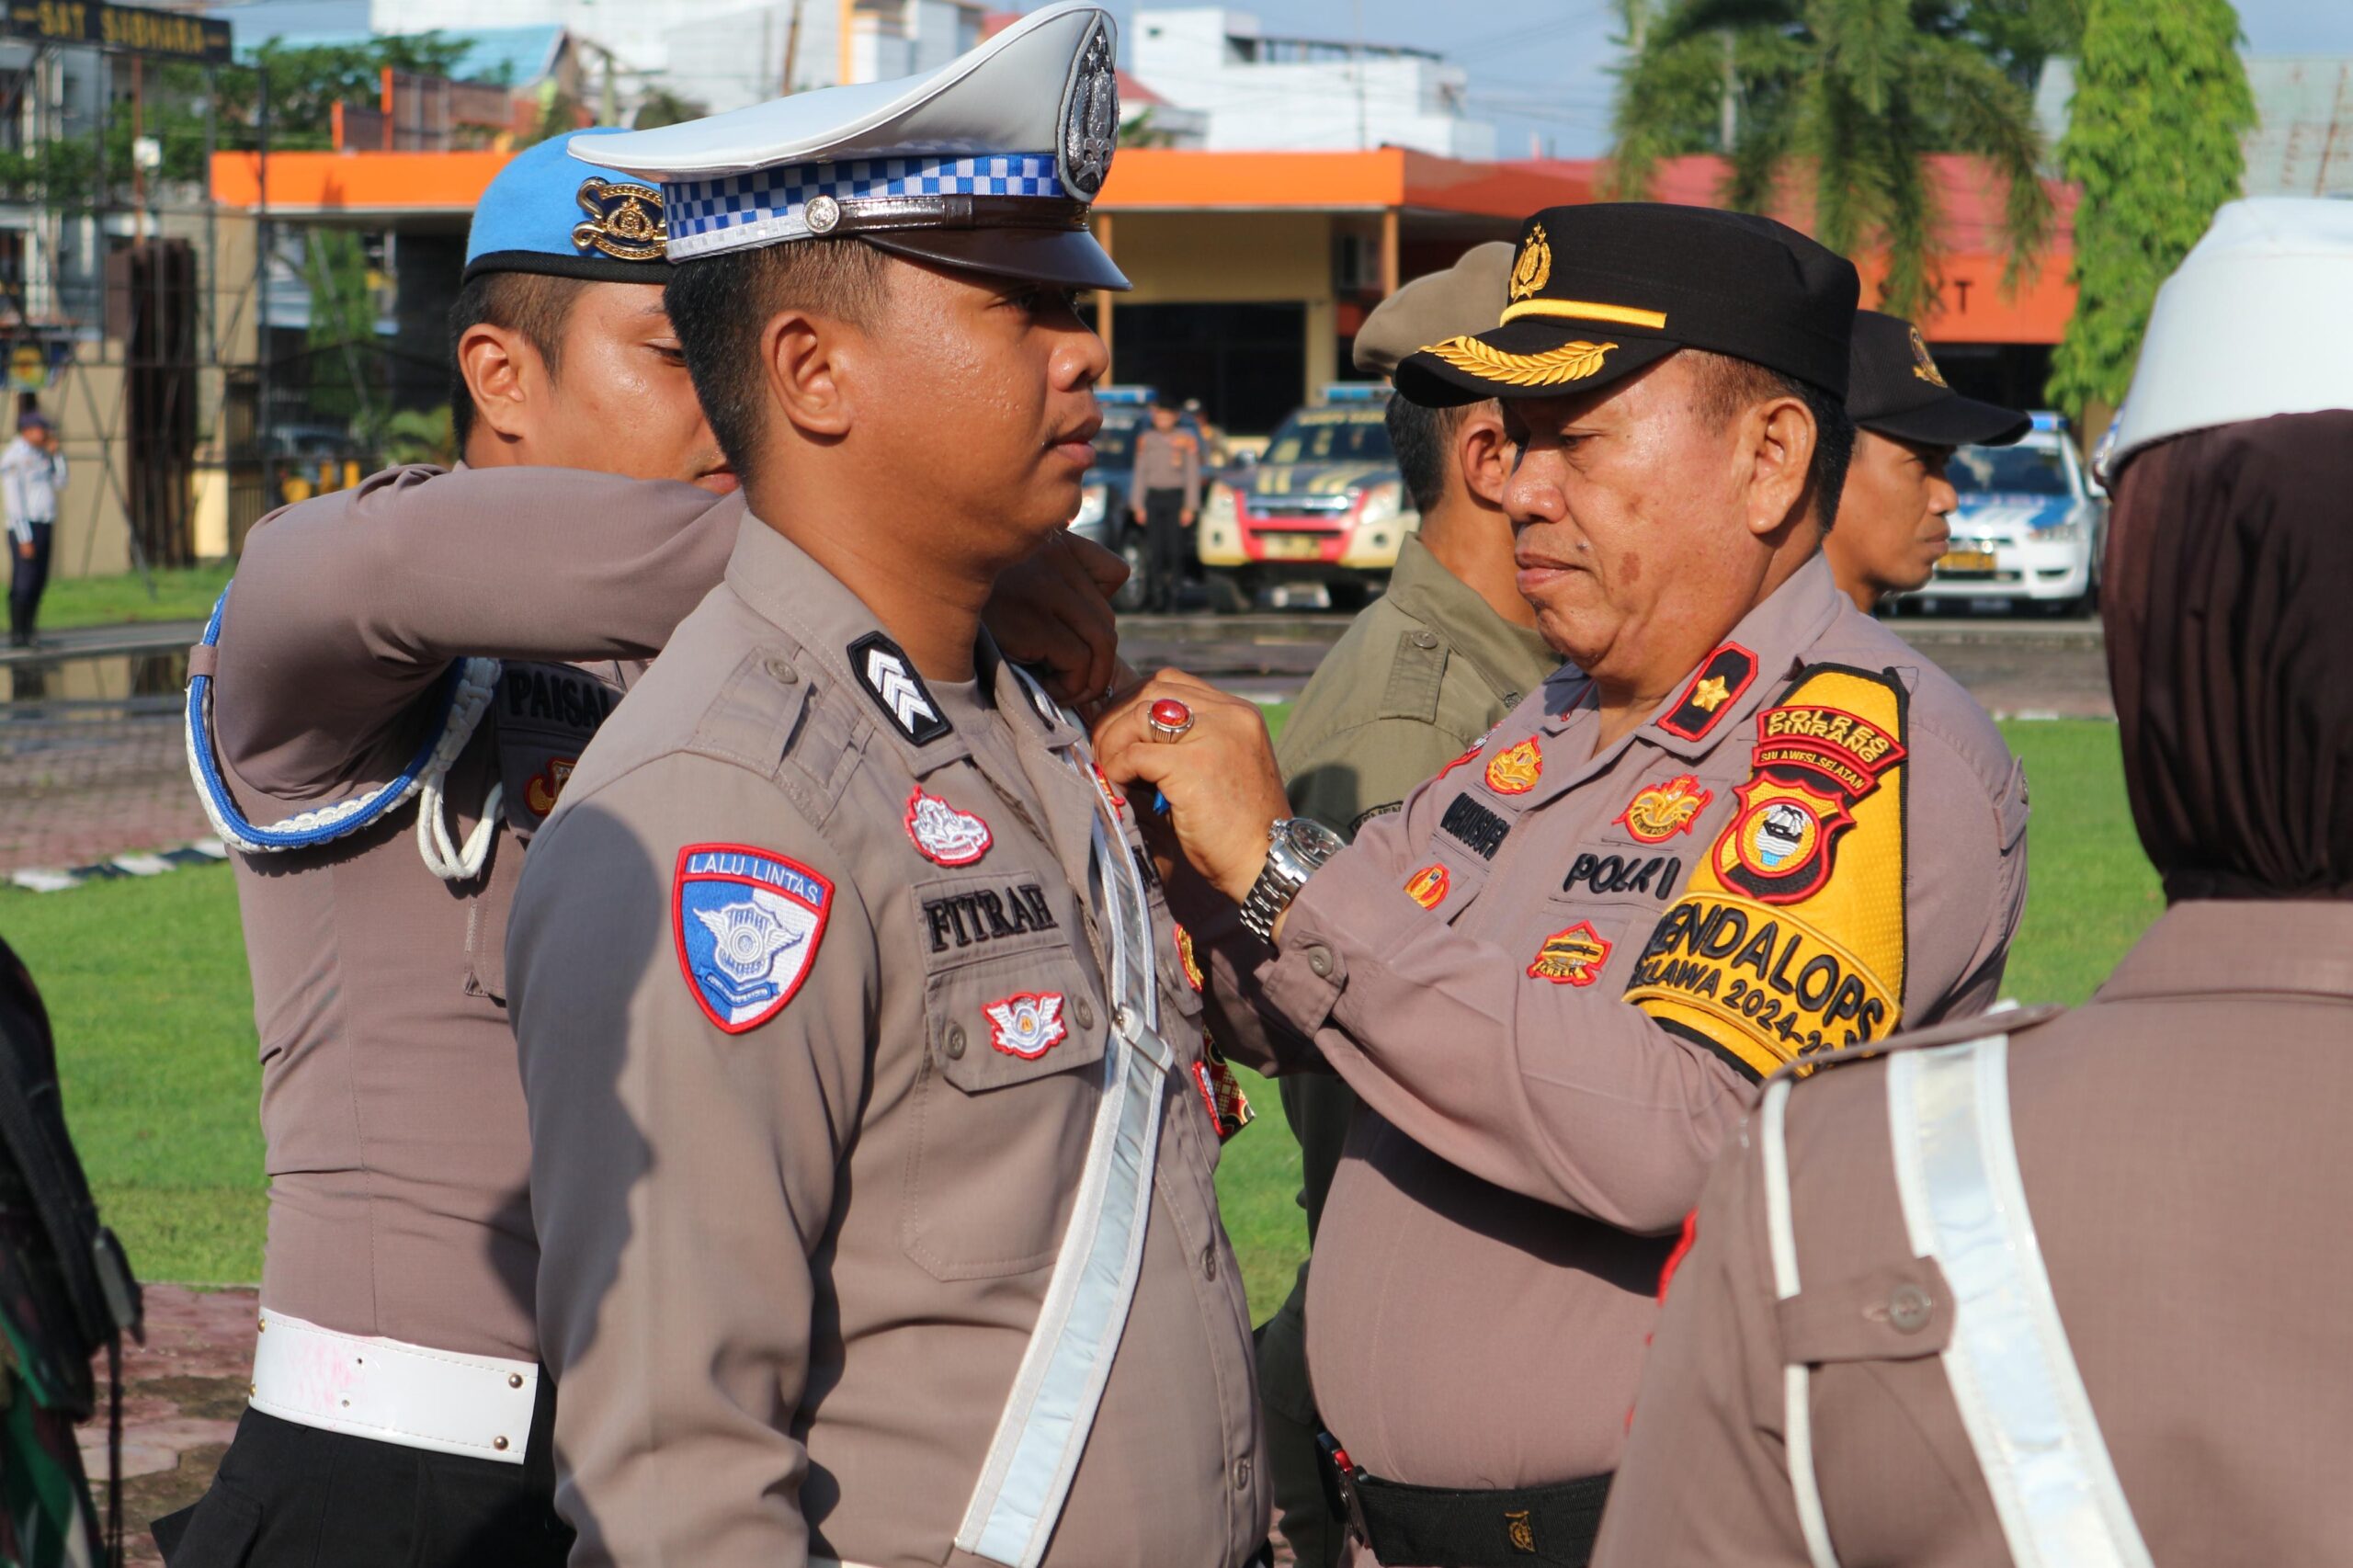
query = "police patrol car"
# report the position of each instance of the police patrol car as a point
(1325, 507)
(2030, 525)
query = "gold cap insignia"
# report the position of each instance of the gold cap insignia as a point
(1534, 267)
(1572, 361)
(624, 220)
(1923, 366)
(1522, 1533)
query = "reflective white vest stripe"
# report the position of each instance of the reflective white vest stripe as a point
(1782, 1237)
(2013, 1375)
(1043, 1430)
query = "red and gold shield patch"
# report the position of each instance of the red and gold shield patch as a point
(1659, 811)
(1427, 886)
(1515, 769)
(1778, 849)
(1185, 956)
(1573, 957)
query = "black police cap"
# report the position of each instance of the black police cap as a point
(1598, 292)
(1895, 388)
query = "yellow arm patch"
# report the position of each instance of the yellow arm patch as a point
(1790, 939)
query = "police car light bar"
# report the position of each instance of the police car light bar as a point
(1127, 396)
(2046, 420)
(1356, 392)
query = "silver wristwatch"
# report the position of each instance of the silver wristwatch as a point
(1295, 848)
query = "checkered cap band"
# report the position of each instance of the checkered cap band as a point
(765, 206)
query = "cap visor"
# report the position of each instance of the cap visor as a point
(587, 269)
(1070, 258)
(1953, 421)
(1526, 358)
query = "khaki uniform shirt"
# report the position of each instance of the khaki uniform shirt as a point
(1484, 1278)
(1168, 460)
(1426, 671)
(391, 1105)
(789, 1271)
(2182, 1143)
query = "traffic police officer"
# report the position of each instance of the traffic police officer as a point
(2065, 1293)
(871, 1154)
(1892, 516)
(1427, 670)
(1743, 824)
(381, 715)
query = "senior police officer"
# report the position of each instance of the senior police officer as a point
(1985, 1298)
(1744, 825)
(1432, 666)
(382, 713)
(1892, 516)
(870, 1153)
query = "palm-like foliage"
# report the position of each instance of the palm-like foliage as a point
(1853, 96)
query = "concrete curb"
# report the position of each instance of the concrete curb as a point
(202, 852)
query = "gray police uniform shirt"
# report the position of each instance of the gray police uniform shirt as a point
(795, 1235)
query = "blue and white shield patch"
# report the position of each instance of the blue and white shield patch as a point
(747, 923)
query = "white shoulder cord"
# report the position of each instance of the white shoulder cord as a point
(442, 856)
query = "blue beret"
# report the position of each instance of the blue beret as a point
(549, 212)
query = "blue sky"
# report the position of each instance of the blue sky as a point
(1539, 68)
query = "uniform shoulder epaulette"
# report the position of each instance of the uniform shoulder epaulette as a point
(1951, 1031)
(1417, 675)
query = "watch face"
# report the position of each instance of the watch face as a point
(1310, 840)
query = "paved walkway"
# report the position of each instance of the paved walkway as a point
(184, 1390)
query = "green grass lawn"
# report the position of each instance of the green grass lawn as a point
(181, 594)
(146, 982)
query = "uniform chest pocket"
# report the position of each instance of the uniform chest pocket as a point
(1014, 1039)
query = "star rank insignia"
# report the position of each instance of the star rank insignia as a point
(1721, 678)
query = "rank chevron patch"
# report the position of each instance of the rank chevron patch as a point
(883, 669)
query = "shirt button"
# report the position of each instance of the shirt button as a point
(1424, 638)
(1320, 961)
(781, 669)
(1242, 1474)
(1209, 1261)
(954, 1043)
(1909, 1309)
(1511, 698)
(1084, 1013)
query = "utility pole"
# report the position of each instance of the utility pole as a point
(1728, 117)
(261, 295)
(792, 48)
(1356, 6)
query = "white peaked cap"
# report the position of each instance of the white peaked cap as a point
(989, 162)
(2256, 321)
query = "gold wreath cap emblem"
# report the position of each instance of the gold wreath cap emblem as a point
(1572, 361)
(1534, 267)
(624, 220)
(1924, 365)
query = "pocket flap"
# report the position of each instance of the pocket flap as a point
(1013, 1019)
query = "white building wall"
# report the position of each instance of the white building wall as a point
(1197, 58)
(735, 60)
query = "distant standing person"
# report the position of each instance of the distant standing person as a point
(32, 475)
(1893, 515)
(1169, 478)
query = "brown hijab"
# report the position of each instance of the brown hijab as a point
(2230, 644)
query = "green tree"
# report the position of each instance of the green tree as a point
(1843, 101)
(2154, 139)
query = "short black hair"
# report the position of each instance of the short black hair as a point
(535, 305)
(1424, 441)
(1731, 387)
(720, 304)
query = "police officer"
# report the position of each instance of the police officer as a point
(1427, 670)
(870, 1156)
(1892, 516)
(383, 710)
(1742, 826)
(32, 476)
(2066, 1292)
(1168, 498)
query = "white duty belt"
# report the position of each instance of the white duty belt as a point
(1043, 1433)
(392, 1392)
(2013, 1375)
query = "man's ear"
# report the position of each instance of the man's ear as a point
(1781, 437)
(1484, 453)
(506, 378)
(812, 364)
